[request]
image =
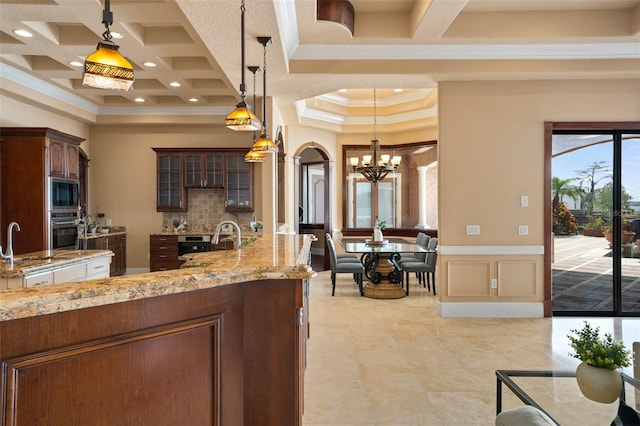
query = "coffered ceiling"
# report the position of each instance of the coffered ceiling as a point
(401, 44)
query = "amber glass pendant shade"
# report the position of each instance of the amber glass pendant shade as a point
(265, 144)
(107, 69)
(254, 157)
(242, 119)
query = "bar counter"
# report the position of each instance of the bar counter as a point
(268, 257)
(221, 341)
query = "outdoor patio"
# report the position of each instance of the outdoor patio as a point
(582, 275)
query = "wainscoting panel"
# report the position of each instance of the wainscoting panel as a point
(469, 278)
(517, 278)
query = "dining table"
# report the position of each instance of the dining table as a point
(381, 264)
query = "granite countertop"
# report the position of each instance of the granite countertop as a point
(42, 261)
(100, 234)
(113, 230)
(268, 257)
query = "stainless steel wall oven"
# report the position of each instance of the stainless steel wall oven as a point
(63, 231)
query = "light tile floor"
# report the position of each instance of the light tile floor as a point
(395, 362)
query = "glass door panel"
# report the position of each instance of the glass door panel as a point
(582, 268)
(630, 224)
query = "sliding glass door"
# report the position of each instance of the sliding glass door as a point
(596, 216)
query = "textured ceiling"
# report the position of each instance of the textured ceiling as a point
(404, 44)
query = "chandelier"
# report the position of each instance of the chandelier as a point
(375, 167)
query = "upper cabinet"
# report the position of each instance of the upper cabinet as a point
(203, 170)
(180, 169)
(64, 159)
(171, 195)
(29, 156)
(238, 179)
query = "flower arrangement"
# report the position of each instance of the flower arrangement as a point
(599, 352)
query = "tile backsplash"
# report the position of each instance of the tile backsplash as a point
(205, 211)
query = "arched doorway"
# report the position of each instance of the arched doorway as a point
(313, 200)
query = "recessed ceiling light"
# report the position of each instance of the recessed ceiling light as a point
(342, 90)
(397, 90)
(139, 100)
(23, 33)
(115, 34)
(174, 84)
(149, 64)
(75, 63)
(193, 99)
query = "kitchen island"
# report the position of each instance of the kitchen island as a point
(218, 342)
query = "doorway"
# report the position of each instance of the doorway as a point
(314, 208)
(595, 218)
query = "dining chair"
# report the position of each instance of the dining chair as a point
(422, 239)
(345, 265)
(341, 256)
(425, 270)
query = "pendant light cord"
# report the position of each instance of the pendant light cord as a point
(375, 135)
(243, 87)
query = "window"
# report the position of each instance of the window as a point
(406, 198)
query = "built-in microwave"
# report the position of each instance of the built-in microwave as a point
(64, 194)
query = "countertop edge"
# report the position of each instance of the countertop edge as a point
(222, 270)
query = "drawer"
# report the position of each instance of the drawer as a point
(38, 279)
(98, 266)
(72, 273)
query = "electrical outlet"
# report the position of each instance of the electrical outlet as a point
(494, 283)
(473, 229)
(523, 230)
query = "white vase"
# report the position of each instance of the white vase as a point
(377, 235)
(599, 384)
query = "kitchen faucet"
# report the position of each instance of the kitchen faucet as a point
(216, 237)
(9, 254)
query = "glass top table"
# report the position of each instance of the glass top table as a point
(380, 262)
(557, 394)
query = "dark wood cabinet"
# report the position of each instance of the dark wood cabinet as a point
(64, 160)
(28, 155)
(229, 355)
(171, 194)
(180, 169)
(203, 170)
(118, 245)
(163, 253)
(238, 184)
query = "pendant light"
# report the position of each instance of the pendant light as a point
(254, 156)
(106, 68)
(242, 119)
(375, 169)
(264, 144)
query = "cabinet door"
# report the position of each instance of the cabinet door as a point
(238, 185)
(72, 155)
(64, 160)
(171, 195)
(203, 170)
(213, 167)
(193, 173)
(57, 158)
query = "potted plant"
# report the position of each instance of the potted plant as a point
(627, 234)
(597, 377)
(593, 228)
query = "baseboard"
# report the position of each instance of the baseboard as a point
(490, 310)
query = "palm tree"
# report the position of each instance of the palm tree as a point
(561, 187)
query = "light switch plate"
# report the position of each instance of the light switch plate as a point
(524, 201)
